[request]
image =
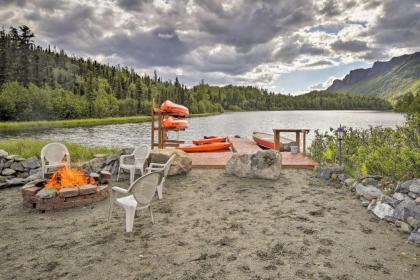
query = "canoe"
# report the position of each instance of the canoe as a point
(266, 140)
(176, 109)
(171, 122)
(212, 147)
(209, 140)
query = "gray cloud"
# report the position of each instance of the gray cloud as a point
(353, 46)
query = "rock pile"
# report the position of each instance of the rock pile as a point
(402, 208)
(16, 171)
(182, 163)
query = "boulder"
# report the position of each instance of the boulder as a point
(413, 222)
(381, 209)
(3, 179)
(404, 187)
(35, 171)
(415, 187)
(371, 180)
(47, 193)
(16, 182)
(3, 185)
(3, 153)
(405, 209)
(94, 165)
(390, 201)
(404, 227)
(349, 182)
(326, 171)
(126, 151)
(182, 163)
(398, 196)
(414, 237)
(22, 174)
(111, 159)
(263, 164)
(17, 165)
(33, 177)
(2, 162)
(368, 192)
(31, 163)
(8, 163)
(8, 172)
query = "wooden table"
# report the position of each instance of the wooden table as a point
(277, 143)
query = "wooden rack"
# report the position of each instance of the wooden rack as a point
(162, 132)
(277, 143)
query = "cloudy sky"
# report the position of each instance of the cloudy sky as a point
(284, 46)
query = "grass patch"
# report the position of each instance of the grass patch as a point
(32, 147)
(40, 125)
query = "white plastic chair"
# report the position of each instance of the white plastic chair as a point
(138, 196)
(139, 157)
(164, 170)
(52, 156)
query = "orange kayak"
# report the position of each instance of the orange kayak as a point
(209, 140)
(176, 109)
(212, 147)
(171, 122)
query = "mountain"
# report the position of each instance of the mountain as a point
(388, 79)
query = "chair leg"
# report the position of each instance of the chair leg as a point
(151, 214)
(160, 190)
(111, 204)
(118, 176)
(129, 218)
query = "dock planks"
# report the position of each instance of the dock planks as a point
(246, 146)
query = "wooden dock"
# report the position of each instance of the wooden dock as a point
(246, 146)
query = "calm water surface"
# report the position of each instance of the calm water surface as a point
(240, 123)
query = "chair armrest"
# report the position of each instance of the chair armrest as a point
(119, 190)
(151, 169)
(156, 165)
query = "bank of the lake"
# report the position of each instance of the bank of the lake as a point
(46, 124)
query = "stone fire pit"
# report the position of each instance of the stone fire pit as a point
(37, 197)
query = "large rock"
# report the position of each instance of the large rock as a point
(414, 237)
(415, 187)
(3, 153)
(16, 182)
(263, 164)
(381, 209)
(2, 162)
(17, 165)
(31, 163)
(8, 172)
(47, 193)
(325, 171)
(405, 209)
(182, 163)
(404, 187)
(349, 182)
(94, 165)
(368, 192)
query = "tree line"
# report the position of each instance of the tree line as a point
(45, 83)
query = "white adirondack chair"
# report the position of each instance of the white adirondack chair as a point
(138, 158)
(138, 196)
(52, 156)
(164, 170)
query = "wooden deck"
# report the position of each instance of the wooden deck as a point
(246, 146)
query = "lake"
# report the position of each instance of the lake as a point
(238, 123)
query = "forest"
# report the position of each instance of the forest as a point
(47, 84)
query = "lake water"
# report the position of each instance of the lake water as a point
(239, 123)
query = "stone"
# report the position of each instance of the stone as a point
(413, 222)
(94, 175)
(263, 164)
(35, 171)
(415, 187)
(30, 190)
(414, 237)
(96, 164)
(33, 177)
(126, 151)
(390, 201)
(182, 163)
(17, 158)
(11, 157)
(365, 203)
(2, 162)
(111, 159)
(412, 195)
(3, 185)
(3, 153)
(349, 182)
(404, 187)
(17, 165)
(31, 163)
(68, 192)
(404, 227)
(104, 177)
(8, 163)
(341, 178)
(368, 192)
(381, 209)
(370, 180)
(417, 200)
(334, 177)
(22, 174)
(87, 189)
(3, 179)
(8, 172)
(46, 193)
(398, 196)
(404, 209)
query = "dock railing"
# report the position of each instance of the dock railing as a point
(303, 131)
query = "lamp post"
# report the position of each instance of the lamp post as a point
(340, 138)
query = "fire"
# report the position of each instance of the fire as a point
(67, 177)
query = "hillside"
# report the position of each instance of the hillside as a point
(389, 79)
(47, 84)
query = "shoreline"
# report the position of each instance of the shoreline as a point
(15, 126)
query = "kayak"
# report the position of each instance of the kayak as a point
(171, 122)
(266, 140)
(176, 109)
(209, 140)
(212, 147)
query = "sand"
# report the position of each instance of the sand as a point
(210, 226)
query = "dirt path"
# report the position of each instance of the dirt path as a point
(210, 226)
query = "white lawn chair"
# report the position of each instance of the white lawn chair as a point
(163, 169)
(138, 158)
(138, 196)
(52, 156)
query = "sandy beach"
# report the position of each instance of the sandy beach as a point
(210, 226)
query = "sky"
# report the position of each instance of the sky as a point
(284, 46)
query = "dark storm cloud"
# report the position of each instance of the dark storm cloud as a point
(353, 46)
(294, 48)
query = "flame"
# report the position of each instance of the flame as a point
(66, 177)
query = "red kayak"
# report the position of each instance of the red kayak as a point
(171, 122)
(212, 147)
(176, 109)
(266, 140)
(209, 140)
